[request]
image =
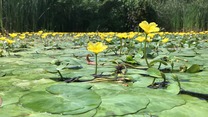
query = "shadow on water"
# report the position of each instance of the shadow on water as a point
(194, 94)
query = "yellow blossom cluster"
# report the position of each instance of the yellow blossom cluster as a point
(150, 29)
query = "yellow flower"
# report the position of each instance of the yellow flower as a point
(131, 35)
(61, 35)
(54, 34)
(149, 27)
(149, 39)
(13, 35)
(9, 41)
(30, 34)
(44, 35)
(102, 36)
(165, 40)
(140, 39)
(151, 35)
(122, 35)
(22, 36)
(2, 38)
(96, 47)
(40, 32)
(108, 39)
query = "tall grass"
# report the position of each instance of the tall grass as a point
(1, 23)
(107, 15)
(25, 15)
(183, 15)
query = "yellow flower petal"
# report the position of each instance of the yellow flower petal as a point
(151, 35)
(2, 38)
(96, 47)
(140, 39)
(10, 41)
(165, 40)
(149, 27)
(13, 35)
(108, 39)
(149, 39)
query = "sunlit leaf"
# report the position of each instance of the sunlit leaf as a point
(63, 99)
(154, 72)
(194, 68)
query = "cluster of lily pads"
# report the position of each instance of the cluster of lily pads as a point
(104, 73)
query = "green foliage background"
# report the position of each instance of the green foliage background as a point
(102, 15)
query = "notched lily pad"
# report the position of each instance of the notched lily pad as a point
(62, 99)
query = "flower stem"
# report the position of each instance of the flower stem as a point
(153, 82)
(145, 51)
(96, 64)
(159, 65)
(60, 74)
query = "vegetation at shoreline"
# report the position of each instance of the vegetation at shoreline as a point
(102, 15)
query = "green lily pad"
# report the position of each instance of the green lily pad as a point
(193, 108)
(154, 72)
(63, 99)
(87, 114)
(158, 103)
(173, 88)
(194, 68)
(27, 87)
(186, 52)
(14, 110)
(0, 101)
(116, 103)
(2, 74)
(195, 87)
(12, 95)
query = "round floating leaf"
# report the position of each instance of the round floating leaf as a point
(154, 72)
(41, 101)
(14, 110)
(2, 74)
(173, 88)
(161, 100)
(87, 114)
(195, 87)
(63, 99)
(193, 108)
(12, 95)
(121, 104)
(194, 68)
